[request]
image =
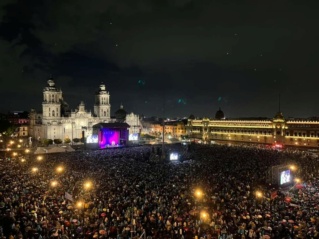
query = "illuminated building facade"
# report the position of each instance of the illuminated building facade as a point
(173, 128)
(56, 121)
(21, 121)
(260, 131)
(133, 120)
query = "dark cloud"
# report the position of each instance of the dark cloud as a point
(245, 52)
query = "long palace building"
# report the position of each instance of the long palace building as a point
(277, 131)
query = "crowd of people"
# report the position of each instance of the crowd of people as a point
(136, 193)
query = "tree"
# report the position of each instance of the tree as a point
(47, 142)
(76, 140)
(67, 140)
(57, 141)
(4, 125)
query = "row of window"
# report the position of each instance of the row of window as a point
(304, 126)
(241, 125)
(104, 113)
(268, 132)
(296, 134)
(54, 113)
(104, 101)
(50, 98)
(303, 134)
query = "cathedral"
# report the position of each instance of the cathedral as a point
(57, 121)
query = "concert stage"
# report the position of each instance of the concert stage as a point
(108, 135)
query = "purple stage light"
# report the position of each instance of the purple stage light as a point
(109, 138)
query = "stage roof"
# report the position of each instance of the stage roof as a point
(111, 125)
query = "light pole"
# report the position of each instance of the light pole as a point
(72, 123)
(87, 186)
(260, 195)
(27, 151)
(198, 196)
(163, 139)
(81, 205)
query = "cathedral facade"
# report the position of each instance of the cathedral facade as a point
(56, 121)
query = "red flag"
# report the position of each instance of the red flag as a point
(273, 194)
(288, 199)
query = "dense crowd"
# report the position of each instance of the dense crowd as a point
(136, 193)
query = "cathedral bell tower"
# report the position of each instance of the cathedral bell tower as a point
(51, 105)
(102, 107)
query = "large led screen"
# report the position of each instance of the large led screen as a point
(133, 137)
(92, 139)
(285, 177)
(173, 156)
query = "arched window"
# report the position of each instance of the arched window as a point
(53, 113)
(104, 113)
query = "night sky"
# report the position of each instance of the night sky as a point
(164, 57)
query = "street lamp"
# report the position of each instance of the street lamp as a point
(293, 167)
(39, 158)
(259, 194)
(198, 193)
(203, 215)
(59, 169)
(27, 151)
(81, 205)
(87, 185)
(54, 183)
(23, 160)
(34, 169)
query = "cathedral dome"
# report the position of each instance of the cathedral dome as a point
(191, 117)
(219, 114)
(120, 114)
